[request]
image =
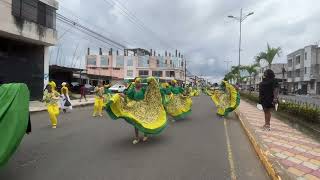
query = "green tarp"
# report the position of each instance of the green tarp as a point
(14, 116)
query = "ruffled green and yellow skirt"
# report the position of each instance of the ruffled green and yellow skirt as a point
(226, 101)
(148, 115)
(14, 117)
(179, 106)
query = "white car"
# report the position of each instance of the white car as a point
(117, 88)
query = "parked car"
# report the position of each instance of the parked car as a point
(89, 88)
(117, 88)
(75, 87)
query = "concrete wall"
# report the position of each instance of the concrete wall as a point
(24, 30)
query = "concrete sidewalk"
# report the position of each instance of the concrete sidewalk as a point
(288, 152)
(36, 106)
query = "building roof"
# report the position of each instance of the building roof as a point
(66, 69)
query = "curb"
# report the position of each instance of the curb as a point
(263, 155)
(79, 105)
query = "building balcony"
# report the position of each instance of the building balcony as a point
(297, 66)
(297, 79)
(290, 68)
(290, 79)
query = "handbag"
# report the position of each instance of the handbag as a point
(67, 103)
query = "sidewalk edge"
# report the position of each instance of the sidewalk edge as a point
(260, 152)
(78, 105)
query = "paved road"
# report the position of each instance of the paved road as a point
(84, 148)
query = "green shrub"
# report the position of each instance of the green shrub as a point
(302, 111)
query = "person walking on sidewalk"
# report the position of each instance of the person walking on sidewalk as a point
(83, 92)
(268, 95)
(65, 102)
(51, 98)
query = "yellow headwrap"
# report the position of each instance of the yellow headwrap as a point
(53, 85)
(174, 81)
(137, 80)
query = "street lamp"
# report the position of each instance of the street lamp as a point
(227, 62)
(240, 19)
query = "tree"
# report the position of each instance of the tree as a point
(252, 71)
(229, 76)
(269, 55)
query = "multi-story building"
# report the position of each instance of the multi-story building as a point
(280, 72)
(303, 70)
(142, 63)
(27, 29)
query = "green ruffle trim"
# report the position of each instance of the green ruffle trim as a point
(182, 116)
(132, 122)
(230, 109)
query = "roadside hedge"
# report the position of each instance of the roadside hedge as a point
(305, 112)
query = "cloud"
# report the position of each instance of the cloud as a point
(199, 29)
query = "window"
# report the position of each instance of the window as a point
(298, 59)
(305, 56)
(129, 62)
(305, 70)
(289, 73)
(157, 73)
(169, 73)
(29, 10)
(104, 61)
(312, 85)
(182, 64)
(298, 73)
(50, 17)
(119, 61)
(143, 73)
(41, 13)
(91, 61)
(35, 11)
(162, 62)
(290, 62)
(143, 61)
(130, 73)
(117, 69)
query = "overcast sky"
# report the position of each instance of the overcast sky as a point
(199, 29)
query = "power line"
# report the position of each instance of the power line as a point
(79, 27)
(136, 21)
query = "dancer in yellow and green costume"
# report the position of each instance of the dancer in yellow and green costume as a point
(14, 118)
(227, 98)
(141, 107)
(107, 94)
(165, 93)
(180, 104)
(98, 100)
(51, 98)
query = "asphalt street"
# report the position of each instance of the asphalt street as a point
(200, 147)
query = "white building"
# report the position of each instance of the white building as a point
(27, 29)
(280, 72)
(303, 70)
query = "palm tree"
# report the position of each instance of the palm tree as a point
(235, 70)
(252, 71)
(229, 76)
(269, 55)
